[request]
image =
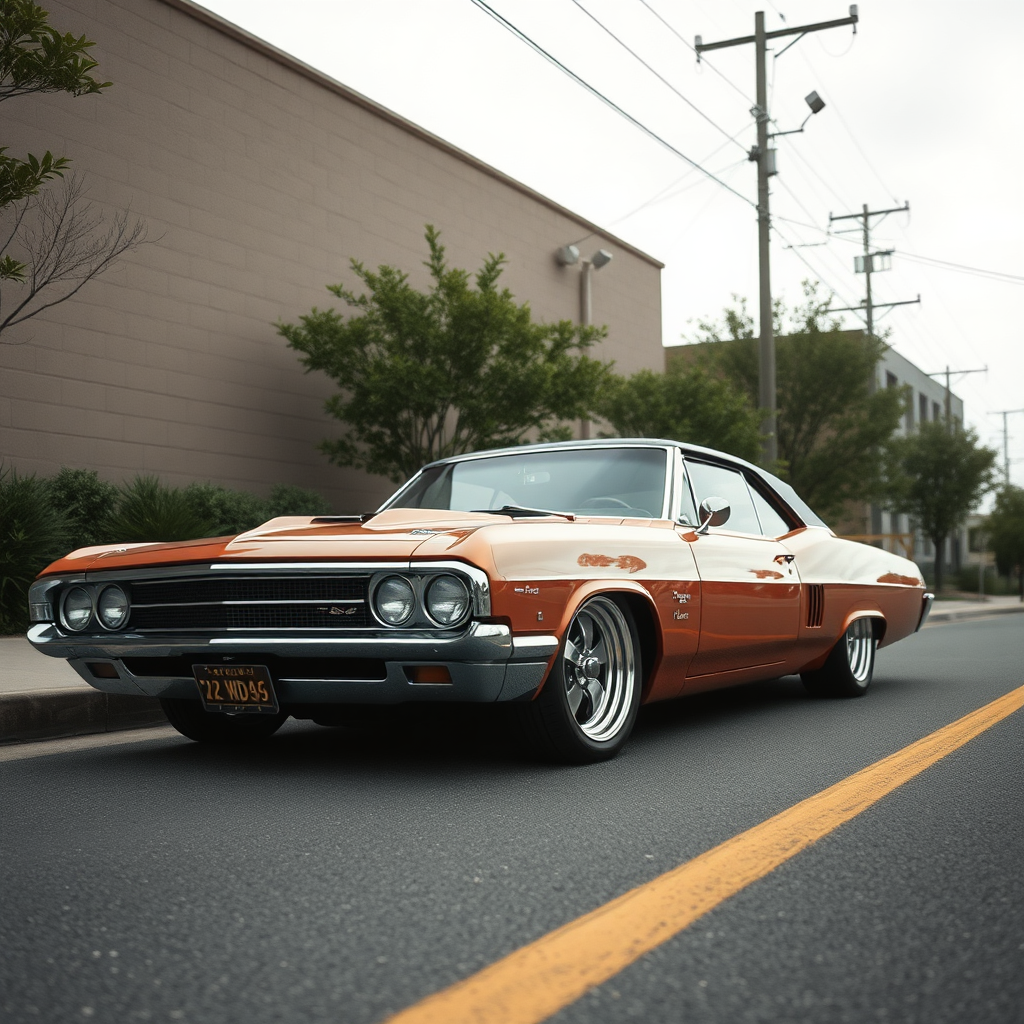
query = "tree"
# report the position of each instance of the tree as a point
(938, 476)
(832, 424)
(427, 374)
(684, 404)
(1006, 533)
(50, 246)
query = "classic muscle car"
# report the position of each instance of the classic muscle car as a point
(577, 580)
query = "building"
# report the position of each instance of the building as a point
(928, 401)
(259, 178)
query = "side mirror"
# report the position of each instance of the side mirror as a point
(713, 512)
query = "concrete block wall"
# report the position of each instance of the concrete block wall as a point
(258, 179)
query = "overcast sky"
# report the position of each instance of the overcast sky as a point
(923, 104)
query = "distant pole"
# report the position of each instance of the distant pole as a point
(949, 394)
(1006, 440)
(868, 267)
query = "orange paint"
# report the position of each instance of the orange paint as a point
(895, 577)
(628, 562)
(766, 574)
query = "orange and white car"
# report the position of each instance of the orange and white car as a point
(579, 580)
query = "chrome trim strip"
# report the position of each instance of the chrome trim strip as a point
(927, 600)
(535, 641)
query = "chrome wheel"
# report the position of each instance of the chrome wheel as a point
(849, 666)
(860, 650)
(599, 669)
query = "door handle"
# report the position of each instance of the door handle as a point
(779, 559)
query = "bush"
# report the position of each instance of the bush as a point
(146, 511)
(84, 503)
(231, 511)
(32, 535)
(967, 581)
(289, 500)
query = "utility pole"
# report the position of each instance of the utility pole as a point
(1006, 440)
(871, 262)
(949, 394)
(765, 159)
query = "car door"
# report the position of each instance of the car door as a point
(749, 583)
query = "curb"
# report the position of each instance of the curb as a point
(937, 615)
(52, 714)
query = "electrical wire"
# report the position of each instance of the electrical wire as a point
(661, 78)
(519, 34)
(690, 47)
(963, 268)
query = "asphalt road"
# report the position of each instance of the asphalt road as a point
(341, 875)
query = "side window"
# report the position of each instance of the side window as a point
(772, 524)
(708, 481)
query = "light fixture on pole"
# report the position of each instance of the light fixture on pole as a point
(569, 256)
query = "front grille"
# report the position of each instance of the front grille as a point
(249, 603)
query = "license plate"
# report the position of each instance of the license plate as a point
(236, 689)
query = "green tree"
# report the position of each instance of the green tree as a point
(50, 244)
(427, 374)
(833, 424)
(1006, 533)
(683, 404)
(937, 476)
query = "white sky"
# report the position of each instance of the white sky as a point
(923, 104)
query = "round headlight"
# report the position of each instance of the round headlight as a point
(447, 600)
(395, 600)
(112, 607)
(76, 608)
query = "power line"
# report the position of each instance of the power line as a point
(604, 99)
(661, 78)
(690, 47)
(963, 268)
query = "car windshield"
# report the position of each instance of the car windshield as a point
(588, 481)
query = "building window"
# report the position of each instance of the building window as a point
(890, 379)
(936, 411)
(908, 415)
(922, 408)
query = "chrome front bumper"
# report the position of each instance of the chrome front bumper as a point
(486, 663)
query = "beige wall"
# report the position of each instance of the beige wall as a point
(259, 179)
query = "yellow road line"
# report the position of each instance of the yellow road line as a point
(537, 980)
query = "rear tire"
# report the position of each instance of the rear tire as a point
(193, 721)
(849, 666)
(587, 708)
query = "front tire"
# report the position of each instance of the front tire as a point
(849, 666)
(587, 708)
(193, 721)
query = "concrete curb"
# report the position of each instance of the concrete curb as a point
(51, 714)
(981, 612)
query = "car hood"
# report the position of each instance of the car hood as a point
(396, 534)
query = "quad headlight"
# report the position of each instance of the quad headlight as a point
(447, 600)
(76, 609)
(112, 607)
(394, 600)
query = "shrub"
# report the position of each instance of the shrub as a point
(147, 511)
(32, 535)
(230, 511)
(289, 500)
(84, 502)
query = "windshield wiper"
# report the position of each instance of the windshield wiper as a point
(521, 510)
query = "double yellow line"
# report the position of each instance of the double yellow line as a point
(534, 982)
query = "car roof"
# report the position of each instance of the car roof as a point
(780, 487)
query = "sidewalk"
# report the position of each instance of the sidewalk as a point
(42, 697)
